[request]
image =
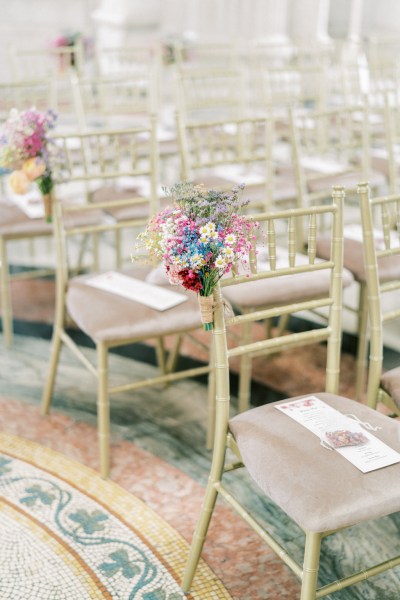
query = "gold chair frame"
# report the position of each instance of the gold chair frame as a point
(224, 439)
(387, 207)
(94, 165)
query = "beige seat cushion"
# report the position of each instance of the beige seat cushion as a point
(348, 180)
(14, 223)
(108, 193)
(284, 186)
(281, 290)
(353, 259)
(316, 487)
(108, 317)
(390, 382)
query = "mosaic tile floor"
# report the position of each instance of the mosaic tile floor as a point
(158, 454)
(68, 534)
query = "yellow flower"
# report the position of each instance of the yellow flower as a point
(19, 183)
(34, 167)
(220, 262)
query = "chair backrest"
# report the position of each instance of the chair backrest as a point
(98, 173)
(332, 142)
(331, 333)
(380, 218)
(210, 93)
(207, 55)
(302, 86)
(239, 150)
(39, 93)
(130, 60)
(392, 129)
(30, 63)
(115, 101)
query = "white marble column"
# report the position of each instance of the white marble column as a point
(354, 32)
(310, 20)
(271, 20)
(119, 22)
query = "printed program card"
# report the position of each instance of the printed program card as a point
(150, 295)
(30, 203)
(314, 414)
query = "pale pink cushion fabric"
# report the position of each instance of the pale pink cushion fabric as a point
(105, 316)
(348, 180)
(281, 290)
(390, 382)
(353, 259)
(316, 487)
(15, 223)
(108, 193)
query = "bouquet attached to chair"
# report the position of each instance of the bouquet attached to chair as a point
(24, 150)
(199, 239)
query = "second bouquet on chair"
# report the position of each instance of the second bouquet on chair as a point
(198, 239)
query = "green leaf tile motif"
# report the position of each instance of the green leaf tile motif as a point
(37, 494)
(121, 562)
(89, 522)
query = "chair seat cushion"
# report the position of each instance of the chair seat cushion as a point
(348, 180)
(284, 186)
(108, 193)
(316, 487)
(353, 259)
(14, 223)
(105, 316)
(390, 382)
(281, 290)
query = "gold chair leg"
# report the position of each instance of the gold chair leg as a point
(362, 345)
(103, 410)
(6, 308)
(49, 385)
(245, 372)
(311, 566)
(174, 354)
(160, 353)
(211, 400)
(118, 248)
(199, 537)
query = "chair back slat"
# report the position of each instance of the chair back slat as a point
(273, 269)
(90, 171)
(378, 224)
(312, 239)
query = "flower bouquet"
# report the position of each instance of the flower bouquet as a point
(24, 151)
(199, 239)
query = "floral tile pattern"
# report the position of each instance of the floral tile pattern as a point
(66, 533)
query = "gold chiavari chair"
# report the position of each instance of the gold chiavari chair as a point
(317, 489)
(206, 56)
(334, 146)
(381, 245)
(245, 146)
(226, 152)
(28, 63)
(39, 93)
(15, 224)
(210, 93)
(110, 320)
